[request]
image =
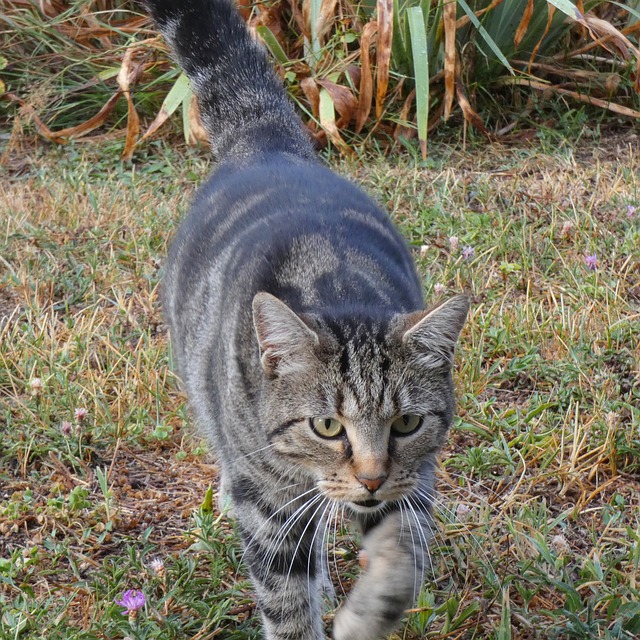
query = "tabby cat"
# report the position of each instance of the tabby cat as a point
(295, 314)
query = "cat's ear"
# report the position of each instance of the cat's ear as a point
(286, 342)
(432, 334)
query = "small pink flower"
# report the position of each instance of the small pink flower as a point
(65, 428)
(439, 288)
(462, 511)
(468, 252)
(454, 243)
(631, 210)
(591, 261)
(80, 413)
(131, 600)
(36, 385)
(157, 566)
(567, 228)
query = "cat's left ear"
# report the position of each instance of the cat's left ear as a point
(433, 334)
(286, 342)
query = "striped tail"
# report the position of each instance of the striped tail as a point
(243, 105)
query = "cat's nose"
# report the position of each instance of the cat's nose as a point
(371, 484)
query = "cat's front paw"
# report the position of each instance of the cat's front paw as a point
(350, 625)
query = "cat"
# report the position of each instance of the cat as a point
(296, 317)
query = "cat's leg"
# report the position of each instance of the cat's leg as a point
(395, 550)
(225, 504)
(279, 552)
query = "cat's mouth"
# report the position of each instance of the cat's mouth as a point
(366, 504)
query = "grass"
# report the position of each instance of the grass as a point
(540, 483)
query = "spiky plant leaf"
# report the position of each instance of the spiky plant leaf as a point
(420, 55)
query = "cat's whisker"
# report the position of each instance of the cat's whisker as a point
(324, 503)
(473, 538)
(312, 552)
(422, 538)
(443, 477)
(467, 498)
(413, 544)
(253, 453)
(466, 495)
(332, 542)
(333, 521)
(282, 534)
(335, 555)
(318, 552)
(255, 535)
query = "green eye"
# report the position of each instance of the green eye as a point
(327, 427)
(406, 424)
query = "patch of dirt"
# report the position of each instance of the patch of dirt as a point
(150, 489)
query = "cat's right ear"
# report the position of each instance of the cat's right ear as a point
(286, 342)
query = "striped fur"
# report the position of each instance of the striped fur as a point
(290, 296)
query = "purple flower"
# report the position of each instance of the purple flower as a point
(131, 600)
(66, 428)
(468, 252)
(591, 262)
(631, 210)
(80, 413)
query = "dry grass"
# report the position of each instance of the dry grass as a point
(540, 508)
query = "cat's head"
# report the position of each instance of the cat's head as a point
(361, 405)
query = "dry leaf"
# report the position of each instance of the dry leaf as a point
(524, 24)
(365, 94)
(326, 19)
(550, 13)
(63, 135)
(197, 132)
(328, 121)
(385, 37)
(606, 34)
(464, 20)
(127, 76)
(311, 91)
(469, 113)
(449, 20)
(344, 101)
(605, 104)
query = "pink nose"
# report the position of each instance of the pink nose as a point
(371, 484)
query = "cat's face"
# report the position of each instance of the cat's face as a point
(361, 409)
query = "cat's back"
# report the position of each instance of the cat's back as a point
(290, 227)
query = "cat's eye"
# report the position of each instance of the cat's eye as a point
(406, 424)
(327, 427)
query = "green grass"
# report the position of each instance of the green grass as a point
(540, 484)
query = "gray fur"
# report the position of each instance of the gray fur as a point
(290, 296)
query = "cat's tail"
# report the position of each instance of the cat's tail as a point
(243, 105)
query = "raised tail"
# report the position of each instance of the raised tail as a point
(243, 105)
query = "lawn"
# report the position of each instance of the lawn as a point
(104, 486)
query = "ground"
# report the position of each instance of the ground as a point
(101, 472)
